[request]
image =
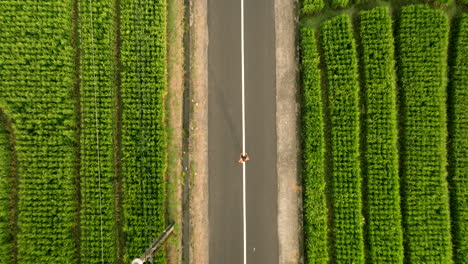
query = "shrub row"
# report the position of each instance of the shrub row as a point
(36, 76)
(340, 58)
(339, 3)
(312, 6)
(5, 244)
(97, 166)
(143, 132)
(422, 37)
(459, 142)
(313, 151)
(383, 223)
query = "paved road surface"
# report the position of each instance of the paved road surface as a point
(225, 132)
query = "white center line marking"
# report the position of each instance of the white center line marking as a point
(243, 133)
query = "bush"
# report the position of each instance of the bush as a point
(382, 203)
(143, 129)
(36, 76)
(339, 3)
(312, 6)
(343, 92)
(423, 36)
(97, 217)
(313, 150)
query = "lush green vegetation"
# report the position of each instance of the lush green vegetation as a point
(458, 151)
(341, 65)
(422, 47)
(389, 128)
(312, 6)
(65, 76)
(97, 168)
(36, 75)
(313, 151)
(444, 1)
(382, 200)
(339, 3)
(143, 133)
(5, 244)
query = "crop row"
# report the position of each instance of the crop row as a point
(459, 142)
(383, 223)
(96, 154)
(5, 244)
(339, 3)
(341, 65)
(36, 75)
(143, 133)
(313, 151)
(312, 6)
(422, 47)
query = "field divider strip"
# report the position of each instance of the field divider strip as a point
(117, 135)
(97, 127)
(400, 108)
(457, 128)
(77, 144)
(13, 186)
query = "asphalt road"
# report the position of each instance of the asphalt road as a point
(225, 132)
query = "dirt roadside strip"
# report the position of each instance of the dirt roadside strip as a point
(287, 111)
(175, 133)
(198, 146)
(289, 191)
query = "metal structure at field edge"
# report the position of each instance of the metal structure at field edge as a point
(157, 244)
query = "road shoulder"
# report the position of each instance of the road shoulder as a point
(198, 146)
(174, 124)
(287, 111)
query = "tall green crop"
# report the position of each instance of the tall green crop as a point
(312, 6)
(459, 142)
(339, 3)
(143, 133)
(36, 77)
(343, 92)
(5, 244)
(97, 168)
(313, 151)
(422, 46)
(382, 203)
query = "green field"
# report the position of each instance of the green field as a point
(384, 131)
(82, 130)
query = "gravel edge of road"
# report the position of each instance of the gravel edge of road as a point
(198, 145)
(287, 112)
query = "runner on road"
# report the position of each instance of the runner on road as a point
(244, 157)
